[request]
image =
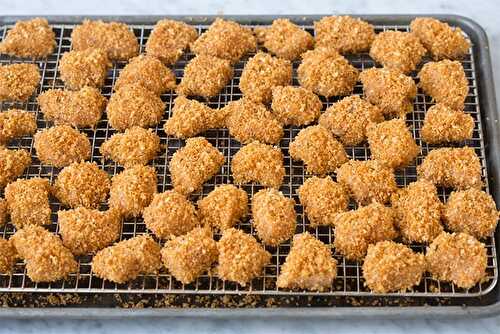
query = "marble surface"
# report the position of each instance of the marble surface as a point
(483, 12)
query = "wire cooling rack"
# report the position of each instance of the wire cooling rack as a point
(349, 281)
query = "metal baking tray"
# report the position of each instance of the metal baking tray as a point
(348, 296)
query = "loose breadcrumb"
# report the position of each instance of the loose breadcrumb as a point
(295, 105)
(3, 212)
(29, 39)
(15, 123)
(84, 68)
(8, 256)
(18, 81)
(12, 164)
(445, 125)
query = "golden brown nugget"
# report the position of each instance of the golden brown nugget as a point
(309, 265)
(137, 146)
(8, 256)
(12, 164)
(448, 167)
(169, 39)
(86, 231)
(368, 181)
(261, 73)
(457, 258)
(392, 143)
(322, 199)
(250, 121)
(133, 105)
(170, 214)
(445, 125)
(223, 207)
(284, 39)
(318, 149)
(445, 82)
(84, 68)
(241, 257)
(82, 184)
(132, 190)
(188, 256)
(295, 105)
(127, 259)
(15, 123)
(259, 163)
(3, 212)
(194, 164)
(115, 38)
(274, 216)
(325, 72)
(344, 33)
(29, 39)
(471, 211)
(439, 38)
(61, 145)
(349, 118)
(226, 40)
(18, 81)
(390, 90)
(147, 72)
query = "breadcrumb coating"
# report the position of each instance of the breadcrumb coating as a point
(295, 105)
(15, 123)
(241, 257)
(29, 39)
(457, 258)
(12, 164)
(18, 81)
(3, 212)
(194, 164)
(84, 68)
(258, 163)
(309, 265)
(445, 125)
(8, 256)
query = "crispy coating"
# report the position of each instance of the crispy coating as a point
(295, 105)
(86, 231)
(3, 212)
(194, 164)
(258, 163)
(82, 184)
(309, 265)
(448, 167)
(223, 207)
(457, 258)
(390, 90)
(84, 68)
(241, 257)
(82, 108)
(322, 199)
(133, 105)
(12, 164)
(18, 81)
(348, 119)
(445, 82)
(169, 39)
(318, 149)
(132, 190)
(115, 38)
(274, 216)
(125, 260)
(61, 145)
(8, 256)
(15, 123)
(137, 146)
(445, 125)
(188, 256)
(29, 39)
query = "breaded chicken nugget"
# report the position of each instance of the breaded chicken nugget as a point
(390, 90)
(61, 145)
(259, 163)
(15, 123)
(344, 33)
(133, 105)
(8, 256)
(29, 39)
(241, 257)
(12, 164)
(444, 125)
(188, 256)
(445, 82)
(18, 81)
(322, 199)
(82, 184)
(125, 260)
(88, 230)
(3, 212)
(325, 72)
(194, 164)
(169, 39)
(448, 167)
(318, 149)
(84, 68)
(115, 38)
(457, 258)
(368, 181)
(132, 190)
(295, 105)
(309, 265)
(223, 207)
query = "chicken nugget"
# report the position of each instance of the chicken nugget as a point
(318, 149)
(445, 125)
(8, 256)
(12, 164)
(259, 163)
(3, 212)
(295, 105)
(18, 81)
(194, 164)
(29, 39)
(84, 68)
(15, 123)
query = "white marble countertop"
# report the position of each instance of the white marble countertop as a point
(484, 12)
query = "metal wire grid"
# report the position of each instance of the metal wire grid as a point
(349, 281)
